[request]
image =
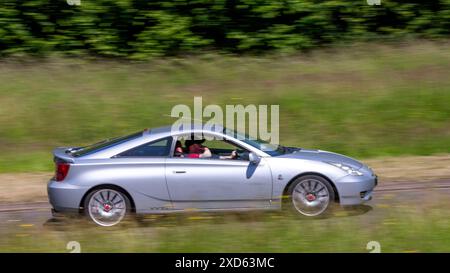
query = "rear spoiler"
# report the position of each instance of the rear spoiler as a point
(61, 155)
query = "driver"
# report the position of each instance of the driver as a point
(196, 149)
(233, 155)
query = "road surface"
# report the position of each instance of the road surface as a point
(386, 194)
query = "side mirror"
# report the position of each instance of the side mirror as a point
(254, 158)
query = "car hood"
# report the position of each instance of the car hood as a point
(319, 155)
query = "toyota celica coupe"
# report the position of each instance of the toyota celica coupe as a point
(164, 171)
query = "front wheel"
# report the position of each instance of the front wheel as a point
(310, 196)
(107, 207)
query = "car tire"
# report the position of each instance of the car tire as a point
(107, 207)
(310, 196)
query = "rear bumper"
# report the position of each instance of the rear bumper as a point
(356, 190)
(65, 197)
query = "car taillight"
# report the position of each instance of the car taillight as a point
(62, 169)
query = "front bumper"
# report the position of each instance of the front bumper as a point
(65, 197)
(355, 190)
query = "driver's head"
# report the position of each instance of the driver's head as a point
(188, 143)
(199, 141)
(196, 148)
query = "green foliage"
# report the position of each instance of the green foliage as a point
(144, 29)
(363, 101)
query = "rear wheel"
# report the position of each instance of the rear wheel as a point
(310, 196)
(107, 207)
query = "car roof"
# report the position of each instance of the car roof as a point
(188, 127)
(161, 132)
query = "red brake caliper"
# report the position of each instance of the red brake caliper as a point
(310, 197)
(107, 207)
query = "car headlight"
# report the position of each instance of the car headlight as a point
(346, 168)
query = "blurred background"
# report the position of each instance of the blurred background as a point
(370, 81)
(365, 80)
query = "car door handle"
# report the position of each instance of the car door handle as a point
(179, 171)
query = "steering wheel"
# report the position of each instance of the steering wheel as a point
(240, 155)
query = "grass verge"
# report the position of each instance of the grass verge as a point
(396, 228)
(364, 100)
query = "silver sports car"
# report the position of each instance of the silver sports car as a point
(164, 171)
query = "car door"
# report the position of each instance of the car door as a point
(211, 183)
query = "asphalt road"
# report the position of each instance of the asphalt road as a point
(392, 194)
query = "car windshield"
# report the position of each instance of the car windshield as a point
(107, 143)
(269, 148)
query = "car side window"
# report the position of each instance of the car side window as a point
(209, 147)
(157, 148)
(222, 149)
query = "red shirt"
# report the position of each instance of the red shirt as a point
(195, 150)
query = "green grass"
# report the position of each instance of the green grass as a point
(396, 229)
(365, 100)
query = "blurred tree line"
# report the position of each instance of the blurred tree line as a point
(143, 29)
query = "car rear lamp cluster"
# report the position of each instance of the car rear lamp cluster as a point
(62, 169)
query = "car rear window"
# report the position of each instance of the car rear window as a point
(156, 148)
(105, 144)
